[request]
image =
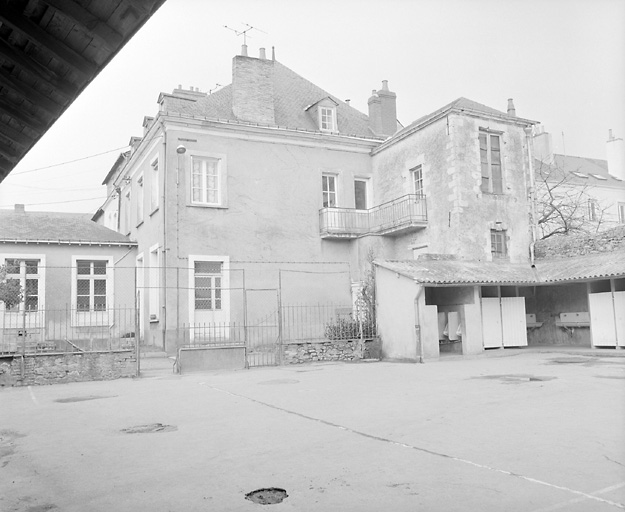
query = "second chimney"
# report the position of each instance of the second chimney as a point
(252, 90)
(383, 111)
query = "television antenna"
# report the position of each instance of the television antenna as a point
(244, 32)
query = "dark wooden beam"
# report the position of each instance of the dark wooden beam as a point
(64, 88)
(15, 136)
(39, 37)
(5, 169)
(98, 29)
(9, 153)
(21, 116)
(27, 92)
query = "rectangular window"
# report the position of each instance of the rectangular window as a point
(206, 181)
(490, 160)
(360, 194)
(326, 119)
(154, 284)
(498, 243)
(154, 186)
(208, 285)
(139, 204)
(328, 186)
(621, 213)
(416, 174)
(126, 206)
(26, 274)
(593, 209)
(91, 277)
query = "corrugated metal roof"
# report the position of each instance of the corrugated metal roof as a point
(457, 272)
(52, 227)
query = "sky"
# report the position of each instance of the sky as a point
(562, 61)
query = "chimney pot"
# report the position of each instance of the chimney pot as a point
(385, 85)
(511, 109)
(19, 208)
(273, 53)
(244, 50)
(347, 101)
(610, 136)
(262, 54)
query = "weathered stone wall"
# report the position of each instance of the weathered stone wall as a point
(579, 245)
(62, 368)
(338, 350)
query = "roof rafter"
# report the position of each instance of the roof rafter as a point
(15, 136)
(21, 60)
(27, 92)
(22, 116)
(40, 38)
(100, 31)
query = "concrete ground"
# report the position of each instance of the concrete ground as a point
(514, 430)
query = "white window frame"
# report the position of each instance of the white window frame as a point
(504, 243)
(593, 210)
(489, 161)
(225, 283)
(416, 179)
(154, 283)
(204, 177)
(326, 112)
(93, 318)
(335, 193)
(139, 200)
(154, 185)
(13, 318)
(367, 183)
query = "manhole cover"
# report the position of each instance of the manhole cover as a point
(269, 496)
(149, 429)
(280, 381)
(81, 399)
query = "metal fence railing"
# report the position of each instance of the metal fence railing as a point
(399, 213)
(67, 330)
(265, 338)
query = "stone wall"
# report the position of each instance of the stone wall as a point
(337, 350)
(61, 368)
(579, 245)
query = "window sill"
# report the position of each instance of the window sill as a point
(213, 206)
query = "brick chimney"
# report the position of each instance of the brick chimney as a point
(383, 111)
(543, 146)
(615, 150)
(252, 89)
(511, 109)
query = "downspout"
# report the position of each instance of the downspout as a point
(417, 326)
(164, 250)
(528, 134)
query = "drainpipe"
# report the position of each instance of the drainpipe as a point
(528, 135)
(164, 250)
(418, 324)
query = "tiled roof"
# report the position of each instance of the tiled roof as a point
(52, 228)
(456, 272)
(292, 94)
(463, 104)
(588, 169)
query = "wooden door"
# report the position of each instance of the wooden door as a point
(491, 323)
(513, 322)
(602, 324)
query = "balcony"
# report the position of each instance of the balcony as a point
(402, 215)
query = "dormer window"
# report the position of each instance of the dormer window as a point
(327, 119)
(323, 114)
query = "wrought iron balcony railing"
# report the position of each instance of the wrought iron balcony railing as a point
(406, 213)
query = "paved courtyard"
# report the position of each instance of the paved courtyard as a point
(514, 430)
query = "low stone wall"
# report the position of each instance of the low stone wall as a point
(337, 350)
(579, 245)
(67, 367)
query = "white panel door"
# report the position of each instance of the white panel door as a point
(491, 323)
(619, 310)
(513, 322)
(602, 326)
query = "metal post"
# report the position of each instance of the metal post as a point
(280, 333)
(137, 329)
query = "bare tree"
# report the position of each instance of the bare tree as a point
(564, 204)
(10, 289)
